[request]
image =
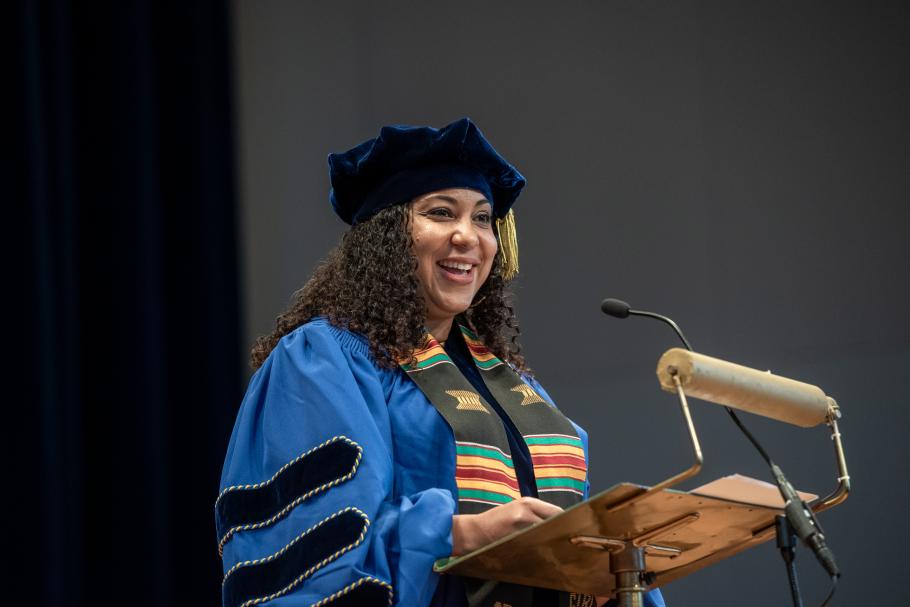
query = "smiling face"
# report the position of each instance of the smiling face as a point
(454, 244)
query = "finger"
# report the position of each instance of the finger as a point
(541, 508)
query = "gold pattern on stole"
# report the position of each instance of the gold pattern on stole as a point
(529, 396)
(467, 400)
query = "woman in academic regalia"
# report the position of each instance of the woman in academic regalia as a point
(392, 421)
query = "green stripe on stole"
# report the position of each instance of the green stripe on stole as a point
(553, 440)
(545, 483)
(484, 452)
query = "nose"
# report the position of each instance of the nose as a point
(465, 234)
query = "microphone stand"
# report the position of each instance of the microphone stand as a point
(786, 542)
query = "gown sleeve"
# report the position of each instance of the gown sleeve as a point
(308, 513)
(653, 598)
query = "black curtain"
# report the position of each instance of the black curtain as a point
(128, 339)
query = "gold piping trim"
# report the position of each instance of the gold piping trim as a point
(309, 571)
(284, 511)
(283, 468)
(351, 587)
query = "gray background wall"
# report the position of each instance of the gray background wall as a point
(740, 167)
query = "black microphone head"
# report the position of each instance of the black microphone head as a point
(615, 307)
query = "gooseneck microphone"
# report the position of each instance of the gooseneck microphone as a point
(798, 513)
(620, 309)
(615, 307)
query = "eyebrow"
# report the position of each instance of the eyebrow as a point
(454, 201)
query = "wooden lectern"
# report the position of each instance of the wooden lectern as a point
(629, 538)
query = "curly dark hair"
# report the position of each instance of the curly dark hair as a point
(368, 285)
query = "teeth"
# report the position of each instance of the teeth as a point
(455, 265)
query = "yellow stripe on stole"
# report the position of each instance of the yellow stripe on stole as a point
(423, 355)
(481, 356)
(483, 462)
(557, 450)
(483, 485)
(548, 472)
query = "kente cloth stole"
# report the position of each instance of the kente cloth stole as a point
(484, 472)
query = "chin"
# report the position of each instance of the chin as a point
(454, 308)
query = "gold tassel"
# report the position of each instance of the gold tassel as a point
(508, 245)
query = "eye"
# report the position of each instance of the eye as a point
(483, 217)
(439, 212)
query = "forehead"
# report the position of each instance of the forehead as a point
(454, 195)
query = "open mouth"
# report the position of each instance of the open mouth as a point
(455, 268)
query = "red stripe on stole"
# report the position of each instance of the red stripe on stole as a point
(431, 344)
(559, 460)
(478, 349)
(486, 475)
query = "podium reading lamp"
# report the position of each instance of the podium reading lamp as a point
(631, 538)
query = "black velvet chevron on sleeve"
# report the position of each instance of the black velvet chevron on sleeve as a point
(254, 506)
(280, 573)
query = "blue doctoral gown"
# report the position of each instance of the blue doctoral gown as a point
(319, 383)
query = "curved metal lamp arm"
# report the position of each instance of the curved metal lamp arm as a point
(691, 471)
(843, 487)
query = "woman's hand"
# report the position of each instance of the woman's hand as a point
(473, 531)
